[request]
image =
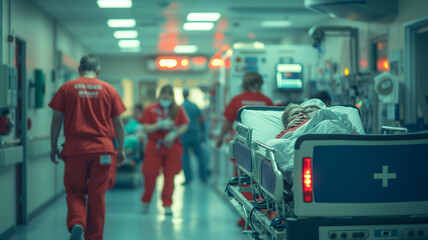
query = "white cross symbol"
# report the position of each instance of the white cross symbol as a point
(385, 176)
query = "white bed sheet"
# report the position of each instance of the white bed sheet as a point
(267, 124)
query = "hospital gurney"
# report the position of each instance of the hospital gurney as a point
(361, 186)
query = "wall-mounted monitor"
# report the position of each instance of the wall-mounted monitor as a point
(289, 76)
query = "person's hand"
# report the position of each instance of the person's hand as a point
(165, 124)
(54, 154)
(120, 158)
(169, 138)
(295, 122)
(219, 141)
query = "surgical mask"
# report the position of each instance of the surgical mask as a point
(165, 103)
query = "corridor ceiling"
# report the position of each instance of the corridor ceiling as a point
(160, 23)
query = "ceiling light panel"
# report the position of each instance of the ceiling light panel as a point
(114, 3)
(117, 23)
(202, 17)
(185, 49)
(198, 26)
(125, 34)
(131, 49)
(129, 43)
(275, 24)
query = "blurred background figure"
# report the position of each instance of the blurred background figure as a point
(129, 172)
(192, 140)
(251, 85)
(133, 125)
(323, 96)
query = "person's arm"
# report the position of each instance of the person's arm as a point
(149, 128)
(120, 136)
(224, 129)
(57, 120)
(202, 126)
(173, 134)
(161, 124)
(182, 129)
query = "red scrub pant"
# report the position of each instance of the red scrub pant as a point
(155, 157)
(86, 181)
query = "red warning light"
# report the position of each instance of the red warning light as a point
(382, 65)
(172, 63)
(184, 62)
(307, 180)
(216, 63)
(167, 63)
(219, 35)
(224, 48)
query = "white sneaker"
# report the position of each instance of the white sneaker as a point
(76, 233)
(145, 207)
(168, 211)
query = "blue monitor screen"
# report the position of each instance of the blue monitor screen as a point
(289, 76)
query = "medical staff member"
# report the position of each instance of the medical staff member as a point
(163, 122)
(192, 140)
(251, 83)
(90, 109)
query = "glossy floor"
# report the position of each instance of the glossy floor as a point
(198, 213)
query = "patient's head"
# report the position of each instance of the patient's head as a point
(293, 116)
(312, 105)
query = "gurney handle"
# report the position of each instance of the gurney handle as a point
(389, 130)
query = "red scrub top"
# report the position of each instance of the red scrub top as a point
(283, 132)
(155, 111)
(88, 105)
(245, 99)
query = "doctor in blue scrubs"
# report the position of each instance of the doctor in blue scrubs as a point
(192, 140)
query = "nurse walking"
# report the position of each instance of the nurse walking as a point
(90, 110)
(163, 122)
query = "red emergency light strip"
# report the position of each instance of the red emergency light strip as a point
(307, 180)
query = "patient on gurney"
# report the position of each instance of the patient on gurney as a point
(296, 123)
(295, 115)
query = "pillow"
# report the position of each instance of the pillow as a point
(266, 124)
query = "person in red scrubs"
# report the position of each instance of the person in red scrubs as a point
(163, 121)
(90, 110)
(251, 83)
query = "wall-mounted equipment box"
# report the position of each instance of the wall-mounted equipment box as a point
(8, 87)
(39, 78)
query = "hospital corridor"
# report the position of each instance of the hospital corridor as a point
(199, 213)
(213, 119)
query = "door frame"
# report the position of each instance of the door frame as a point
(410, 100)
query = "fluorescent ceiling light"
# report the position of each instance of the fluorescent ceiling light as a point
(114, 3)
(275, 24)
(185, 49)
(131, 49)
(203, 17)
(194, 26)
(125, 34)
(129, 43)
(114, 23)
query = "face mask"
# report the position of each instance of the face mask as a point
(165, 103)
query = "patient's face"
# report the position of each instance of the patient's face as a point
(311, 110)
(297, 114)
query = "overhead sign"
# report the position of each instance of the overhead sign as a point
(177, 63)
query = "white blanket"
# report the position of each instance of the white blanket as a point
(323, 122)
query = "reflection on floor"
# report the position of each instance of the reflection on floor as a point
(198, 213)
